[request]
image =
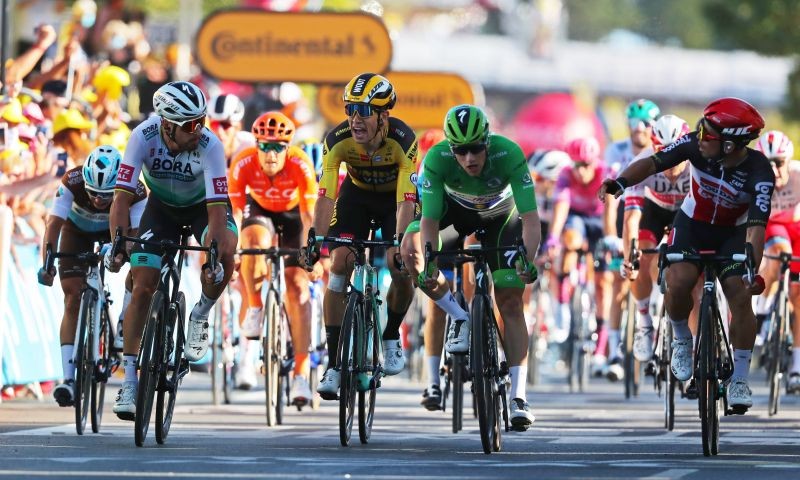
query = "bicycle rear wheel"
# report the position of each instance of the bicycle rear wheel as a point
(481, 372)
(217, 363)
(102, 370)
(775, 351)
(173, 353)
(371, 360)
(84, 369)
(149, 367)
(349, 340)
(577, 342)
(272, 361)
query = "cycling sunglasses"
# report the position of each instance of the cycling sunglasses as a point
(636, 123)
(362, 109)
(464, 149)
(100, 195)
(276, 147)
(191, 126)
(703, 135)
(778, 162)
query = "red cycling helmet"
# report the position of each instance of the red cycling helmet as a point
(734, 119)
(583, 150)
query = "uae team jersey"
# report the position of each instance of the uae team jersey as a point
(178, 180)
(664, 192)
(722, 196)
(295, 184)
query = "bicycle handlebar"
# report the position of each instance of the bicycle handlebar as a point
(89, 257)
(473, 252)
(712, 256)
(164, 245)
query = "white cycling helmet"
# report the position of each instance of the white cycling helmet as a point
(179, 102)
(226, 108)
(668, 129)
(774, 144)
(547, 164)
(100, 169)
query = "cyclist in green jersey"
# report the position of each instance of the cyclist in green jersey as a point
(478, 180)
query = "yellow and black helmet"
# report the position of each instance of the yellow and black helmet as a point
(372, 89)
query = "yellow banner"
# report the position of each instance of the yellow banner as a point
(257, 46)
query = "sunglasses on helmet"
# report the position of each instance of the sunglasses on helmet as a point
(191, 126)
(99, 195)
(362, 109)
(276, 147)
(464, 149)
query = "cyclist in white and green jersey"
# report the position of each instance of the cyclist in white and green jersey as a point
(184, 167)
(478, 180)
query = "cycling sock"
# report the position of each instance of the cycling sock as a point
(433, 369)
(126, 300)
(449, 304)
(613, 343)
(519, 375)
(204, 305)
(332, 339)
(129, 364)
(680, 328)
(66, 361)
(302, 364)
(645, 320)
(392, 331)
(795, 360)
(741, 363)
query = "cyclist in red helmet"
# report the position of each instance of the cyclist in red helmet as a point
(728, 205)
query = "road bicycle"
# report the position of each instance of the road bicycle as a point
(489, 375)
(94, 337)
(161, 361)
(713, 355)
(579, 343)
(541, 308)
(277, 352)
(778, 344)
(630, 364)
(360, 347)
(223, 349)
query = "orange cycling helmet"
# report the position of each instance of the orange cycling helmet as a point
(273, 127)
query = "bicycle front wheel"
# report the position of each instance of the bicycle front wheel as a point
(482, 373)
(458, 365)
(669, 378)
(629, 362)
(706, 380)
(84, 369)
(149, 366)
(271, 358)
(370, 360)
(102, 370)
(173, 365)
(775, 349)
(348, 366)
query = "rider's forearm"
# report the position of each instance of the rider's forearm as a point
(323, 211)
(119, 216)
(429, 232)
(307, 219)
(630, 230)
(610, 210)
(216, 226)
(51, 234)
(531, 233)
(405, 213)
(755, 236)
(560, 213)
(638, 171)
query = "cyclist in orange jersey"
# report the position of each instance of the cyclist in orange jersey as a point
(273, 185)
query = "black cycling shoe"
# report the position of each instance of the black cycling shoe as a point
(432, 398)
(691, 390)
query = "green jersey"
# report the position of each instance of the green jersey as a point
(505, 174)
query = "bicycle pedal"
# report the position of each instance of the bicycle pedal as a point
(519, 428)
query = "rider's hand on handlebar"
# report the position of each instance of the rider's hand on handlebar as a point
(46, 277)
(755, 288)
(527, 275)
(429, 279)
(309, 257)
(113, 264)
(626, 270)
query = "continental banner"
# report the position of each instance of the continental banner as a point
(258, 46)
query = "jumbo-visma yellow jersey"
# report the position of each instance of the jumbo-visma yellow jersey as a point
(391, 168)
